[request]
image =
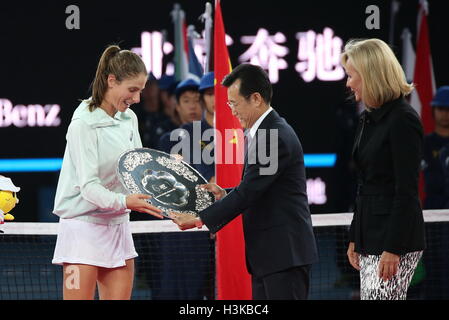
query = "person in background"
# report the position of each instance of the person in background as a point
(387, 234)
(436, 185)
(167, 86)
(188, 108)
(167, 118)
(207, 100)
(150, 114)
(433, 143)
(94, 239)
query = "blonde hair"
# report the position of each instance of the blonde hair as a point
(382, 76)
(123, 64)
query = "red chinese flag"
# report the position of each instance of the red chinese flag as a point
(233, 280)
(424, 80)
(423, 77)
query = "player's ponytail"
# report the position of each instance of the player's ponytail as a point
(120, 63)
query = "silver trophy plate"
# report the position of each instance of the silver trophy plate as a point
(172, 183)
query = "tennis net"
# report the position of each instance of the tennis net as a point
(174, 264)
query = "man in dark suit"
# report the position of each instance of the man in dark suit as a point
(279, 241)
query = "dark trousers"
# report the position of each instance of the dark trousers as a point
(290, 284)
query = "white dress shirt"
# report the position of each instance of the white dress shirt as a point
(253, 130)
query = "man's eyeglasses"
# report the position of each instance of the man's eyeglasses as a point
(233, 105)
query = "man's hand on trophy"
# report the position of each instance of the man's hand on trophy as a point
(217, 191)
(185, 221)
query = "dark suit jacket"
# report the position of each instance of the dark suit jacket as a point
(276, 218)
(387, 152)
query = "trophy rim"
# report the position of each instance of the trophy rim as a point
(165, 210)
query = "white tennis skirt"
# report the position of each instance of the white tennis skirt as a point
(81, 242)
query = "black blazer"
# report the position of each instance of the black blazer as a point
(387, 152)
(276, 218)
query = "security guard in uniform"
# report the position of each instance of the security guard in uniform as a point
(436, 178)
(433, 143)
(188, 108)
(203, 144)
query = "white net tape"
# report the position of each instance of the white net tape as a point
(318, 220)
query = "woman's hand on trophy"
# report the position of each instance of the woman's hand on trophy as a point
(138, 202)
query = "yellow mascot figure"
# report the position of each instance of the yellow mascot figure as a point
(8, 198)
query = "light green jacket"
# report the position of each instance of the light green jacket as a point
(89, 188)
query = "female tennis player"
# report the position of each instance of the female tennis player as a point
(94, 242)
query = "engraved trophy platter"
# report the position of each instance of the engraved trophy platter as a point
(172, 183)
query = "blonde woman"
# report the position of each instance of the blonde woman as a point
(94, 242)
(387, 231)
